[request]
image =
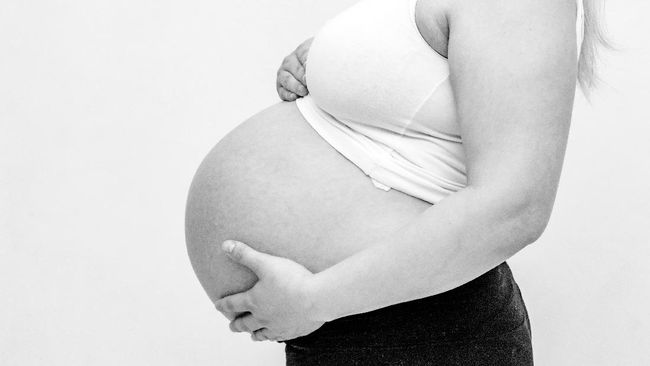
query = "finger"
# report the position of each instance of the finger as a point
(299, 74)
(289, 82)
(286, 95)
(302, 75)
(303, 51)
(293, 65)
(237, 303)
(246, 323)
(229, 315)
(264, 334)
(257, 336)
(247, 256)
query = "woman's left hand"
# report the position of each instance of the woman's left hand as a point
(279, 307)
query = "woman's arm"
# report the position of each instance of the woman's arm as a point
(513, 72)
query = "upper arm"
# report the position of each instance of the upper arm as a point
(513, 71)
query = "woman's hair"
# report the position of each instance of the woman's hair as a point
(594, 39)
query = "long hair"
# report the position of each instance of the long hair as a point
(593, 41)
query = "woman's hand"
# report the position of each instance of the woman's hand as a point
(291, 83)
(279, 306)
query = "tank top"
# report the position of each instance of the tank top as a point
(381, 96)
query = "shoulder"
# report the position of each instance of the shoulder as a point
(510, 13)
(529, 34)
(437, 18)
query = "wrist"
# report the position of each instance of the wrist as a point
(317, 293)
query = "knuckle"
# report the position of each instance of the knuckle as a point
(297, 88)
(288, 95)
(300, 72)
(249, 303)
(233, 326)
(285, 77)
(282, 81)
(223, 306)
(228, 306)
(248, 323)
(241, 326)
(290, 85)
(260, 336)
(292, 59)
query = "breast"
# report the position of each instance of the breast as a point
(370, 66)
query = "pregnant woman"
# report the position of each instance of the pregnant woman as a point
(367, 218)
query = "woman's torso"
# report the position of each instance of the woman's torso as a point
(277, 185)
(373, 76)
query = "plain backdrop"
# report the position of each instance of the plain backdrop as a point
(106, 110)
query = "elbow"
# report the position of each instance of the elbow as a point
(513, 218)
(518, 210)
(536, 224)
(530, 217)
(521, 218)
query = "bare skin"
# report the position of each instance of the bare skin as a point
(274, 183)
(512, 183)
(291, 83)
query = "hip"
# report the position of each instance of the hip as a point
(482, 322)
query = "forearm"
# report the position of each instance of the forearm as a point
(451, 243)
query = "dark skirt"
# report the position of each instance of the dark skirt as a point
(483, 322)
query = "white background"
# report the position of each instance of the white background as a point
(107, 108)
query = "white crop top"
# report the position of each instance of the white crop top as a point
(381, 96)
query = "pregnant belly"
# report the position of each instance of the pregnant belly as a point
(276, 185)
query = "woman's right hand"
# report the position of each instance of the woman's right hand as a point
(291, 83)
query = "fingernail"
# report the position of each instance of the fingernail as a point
(228, 246)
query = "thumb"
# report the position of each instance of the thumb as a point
(245, 255)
